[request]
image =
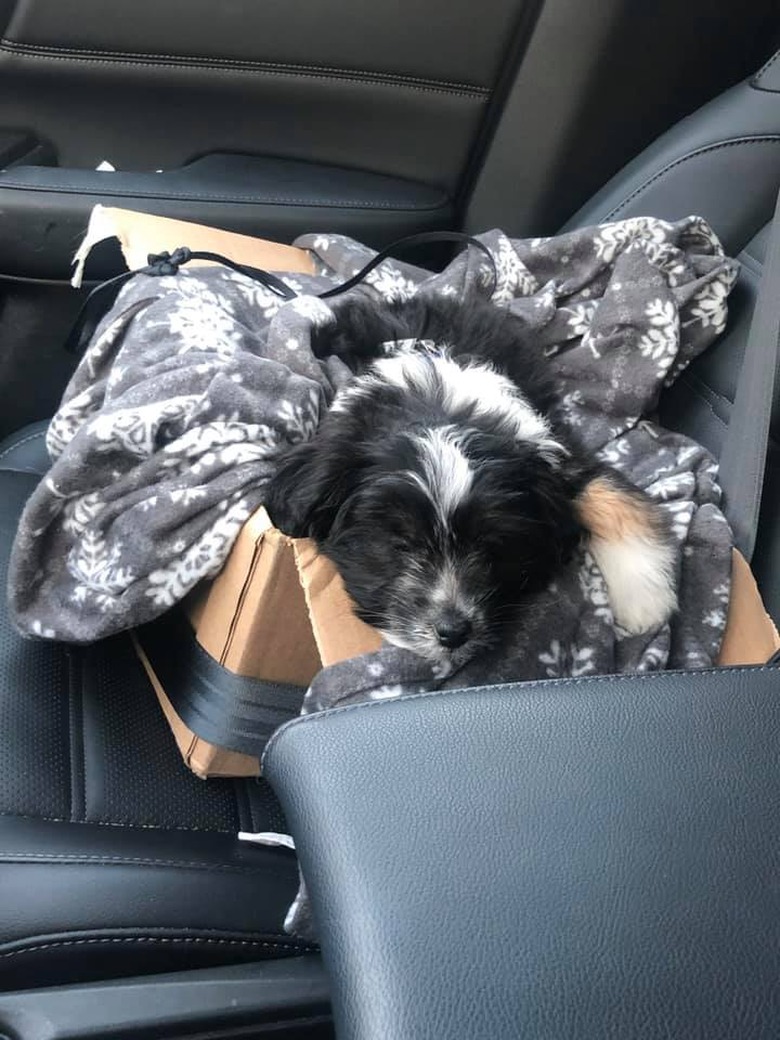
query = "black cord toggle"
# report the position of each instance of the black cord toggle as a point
(159, 264)
(165, 263)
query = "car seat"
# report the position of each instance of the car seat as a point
(113, 859)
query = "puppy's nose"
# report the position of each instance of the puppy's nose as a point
(452, 629)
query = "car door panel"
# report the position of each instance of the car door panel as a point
(397, 88)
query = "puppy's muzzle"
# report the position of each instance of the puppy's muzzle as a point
(452, 629)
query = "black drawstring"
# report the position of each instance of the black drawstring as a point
(163, 264)
(424, 238)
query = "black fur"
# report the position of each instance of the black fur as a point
(357, 488)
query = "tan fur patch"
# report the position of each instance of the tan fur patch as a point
(612, 513)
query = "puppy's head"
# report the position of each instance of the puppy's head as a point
(440, 532)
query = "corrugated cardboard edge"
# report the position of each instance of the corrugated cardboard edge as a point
(203, 758)
(751, 636)
(255, 620)
(338, 632)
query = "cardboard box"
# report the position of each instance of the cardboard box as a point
(278, 611)
(140, 234)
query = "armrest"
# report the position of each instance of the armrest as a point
(581, 858)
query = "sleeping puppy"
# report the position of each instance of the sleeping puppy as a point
(446, 493)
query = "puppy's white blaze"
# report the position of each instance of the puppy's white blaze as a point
(447, 473)
(476, 387)
(408, 371)
(358, 388)
(639, 573)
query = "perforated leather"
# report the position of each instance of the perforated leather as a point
(107, 842)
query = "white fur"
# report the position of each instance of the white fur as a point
(639, 574)
(351, 392)
(479, 387)
(448, 475)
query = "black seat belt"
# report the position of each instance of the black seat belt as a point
(743, 458)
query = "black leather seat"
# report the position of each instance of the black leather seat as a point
(113, 859)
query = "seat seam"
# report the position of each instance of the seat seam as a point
(130, 58)
(317, 718)
(753, 266)
(167, 940)
(78, 779)
(756, 80)
(732, 142)
(71, 782)
(703, 390)
(126, 824)
(237, 197)
(18, 444)
(136, 861)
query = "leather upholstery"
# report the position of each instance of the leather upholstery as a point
(468, 39)
(47, 208)
(357, 85)
(580, 858)
(114, 859)
(25, 451)
(723, 162)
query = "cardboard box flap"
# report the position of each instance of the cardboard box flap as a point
(254, 620)
(338, 632)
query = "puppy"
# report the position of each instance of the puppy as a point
(445, 491)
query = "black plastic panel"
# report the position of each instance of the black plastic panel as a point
(288, 999)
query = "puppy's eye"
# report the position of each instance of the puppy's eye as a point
(400, 543)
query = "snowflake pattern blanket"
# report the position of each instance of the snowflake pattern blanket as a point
(194, 383)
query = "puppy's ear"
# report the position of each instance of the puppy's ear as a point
(631, 541)
(308, 489)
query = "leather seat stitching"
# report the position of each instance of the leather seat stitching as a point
(753, 265)
(317, 718)
(125, 824)
(169, 940)
(194, 196)
(701, 390)
(756, 81)
(78, 782)
(142, 861)
(326, 72)
(18, 444)
(763, 139)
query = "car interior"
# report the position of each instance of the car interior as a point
(128, 907)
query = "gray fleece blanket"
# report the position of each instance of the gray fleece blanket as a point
(194, 384)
